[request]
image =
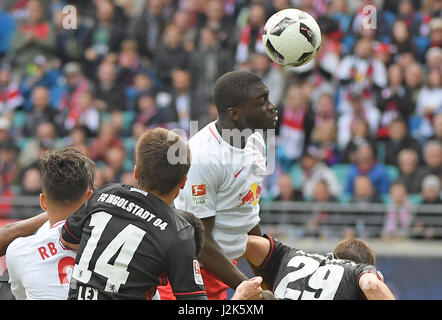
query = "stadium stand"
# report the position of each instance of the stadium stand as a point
(110, 72)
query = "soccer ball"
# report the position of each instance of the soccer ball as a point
(291, 37)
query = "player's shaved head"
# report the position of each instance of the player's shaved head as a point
(66, 175)
(232, 89)
(355, 250)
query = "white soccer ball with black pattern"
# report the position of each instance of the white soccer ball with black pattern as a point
(291, 37)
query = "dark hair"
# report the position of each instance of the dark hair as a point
(231, 89)
(197, 225)
(355, 250)
(155, 170)
(66, 175)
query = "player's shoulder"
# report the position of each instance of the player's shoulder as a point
(206, 140)
(118, 190)
(351, 266)
(44, 234)
(364, 267)
(206, 149)
(185, 223)
(180, 222)
(202, 134)
(109, 187)
(20, 245)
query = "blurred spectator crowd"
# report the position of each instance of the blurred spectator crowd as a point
(362, 123)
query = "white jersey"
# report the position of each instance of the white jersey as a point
(44, 228)
(225, 181)
(39, 266)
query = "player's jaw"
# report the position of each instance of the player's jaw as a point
(259, 116)
(267, 119)
(262, 113)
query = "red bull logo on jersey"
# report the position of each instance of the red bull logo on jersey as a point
(252, 196)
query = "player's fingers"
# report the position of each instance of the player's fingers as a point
(257, 279)
(256, 297)
(255, 287)
(258, 290)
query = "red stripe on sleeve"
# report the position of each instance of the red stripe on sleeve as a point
(266, 260)
(370, 271)
(66, 228)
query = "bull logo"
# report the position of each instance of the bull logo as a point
(252, 196)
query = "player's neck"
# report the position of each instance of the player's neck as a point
(56, 217)
(226, 124)
(167, 198)
(59, 213)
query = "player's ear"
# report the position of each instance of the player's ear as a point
(182, 183)
(43, 201)
(234, 113)
(135, 172)
(89, 194)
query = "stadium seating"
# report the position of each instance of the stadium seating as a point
(128, 117)
(19, 119)
(295, 173)
(393, 172)
(380, 151)
(341, 171)
(422, 44)
(413, 125)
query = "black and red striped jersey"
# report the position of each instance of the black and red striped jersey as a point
(297, 275)
(130, 242)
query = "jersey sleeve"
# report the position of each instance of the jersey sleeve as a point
(199, 193)
(73, 227)
(272, 262)
(367, 268)
(183, 270)
(13, 267)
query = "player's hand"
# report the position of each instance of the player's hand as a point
(249, 290)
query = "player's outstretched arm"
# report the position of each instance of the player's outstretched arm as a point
(257, 249)
(22, 228)
(373, 288)
(256, 231)
(249, 290)
(215, 261)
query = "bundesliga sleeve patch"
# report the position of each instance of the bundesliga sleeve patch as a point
(199, 193)
(197, 273)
